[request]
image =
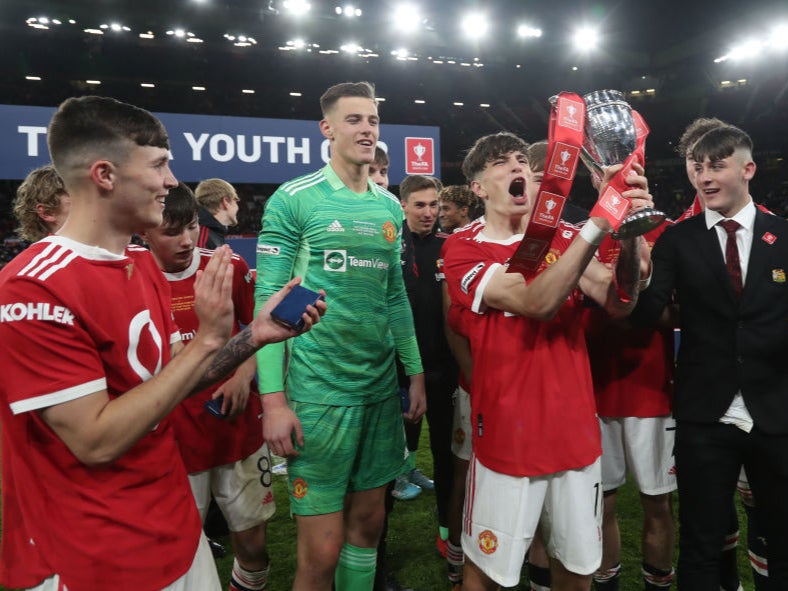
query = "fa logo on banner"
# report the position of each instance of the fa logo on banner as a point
(563, 164)
(419, 155)
(548, 210)
(614, 203)
(568, 114)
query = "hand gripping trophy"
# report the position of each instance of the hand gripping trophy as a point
(610, 137)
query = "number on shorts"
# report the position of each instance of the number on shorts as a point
(264, 465)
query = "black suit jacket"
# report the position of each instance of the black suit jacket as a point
(727, 344)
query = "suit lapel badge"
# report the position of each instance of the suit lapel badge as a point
(778, 275)
(769, 238)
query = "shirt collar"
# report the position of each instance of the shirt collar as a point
(337, 184)
(745, 217)
(86, 251)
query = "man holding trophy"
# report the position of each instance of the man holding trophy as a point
(535, 434)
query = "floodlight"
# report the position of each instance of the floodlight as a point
(296, 7)
(586, 38)
(526, 31)
(778, 39)
(406, 18)
(475, 25)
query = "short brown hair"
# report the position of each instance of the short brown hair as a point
(721, 142)
(180, 207)
(91, 127)
(42, 186)
(537, 156)
(381, 157)
(460, 195)
(417, 182)
(694, 131)
(336, 92)
(210, 193)
(488, 148)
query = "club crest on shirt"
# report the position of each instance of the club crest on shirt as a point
(300, 488)
(459, 436)
(389, 232)
(488, 543)
(129, 270)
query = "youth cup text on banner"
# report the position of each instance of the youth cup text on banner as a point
(237, 149)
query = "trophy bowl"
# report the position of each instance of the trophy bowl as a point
(610, 137)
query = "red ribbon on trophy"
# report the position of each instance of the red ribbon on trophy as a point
(565, 137)
(611, 205)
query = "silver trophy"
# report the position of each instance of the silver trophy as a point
(609, 138)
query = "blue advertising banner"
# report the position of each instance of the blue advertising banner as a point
(237, 149)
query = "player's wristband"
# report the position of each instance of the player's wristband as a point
(592, 233)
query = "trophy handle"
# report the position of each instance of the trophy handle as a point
(590, 163)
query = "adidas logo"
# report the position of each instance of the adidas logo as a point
(335, 226)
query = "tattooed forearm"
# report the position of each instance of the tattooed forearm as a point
(237, 350)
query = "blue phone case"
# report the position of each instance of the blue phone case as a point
(214, 407)
(290, 309)
(404, 399)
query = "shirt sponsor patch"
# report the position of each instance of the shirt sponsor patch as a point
(335, 261)
(467, 279)
(43, 311)
(267, 249)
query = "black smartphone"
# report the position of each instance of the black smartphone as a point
(214, 407)
(289, 311)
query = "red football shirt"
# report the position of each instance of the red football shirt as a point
(632, 368)
(75, 320)
(532, 400)
(207, 441)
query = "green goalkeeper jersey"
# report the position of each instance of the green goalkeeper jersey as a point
(349, 245)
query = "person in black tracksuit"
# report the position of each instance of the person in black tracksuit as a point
(218, 211)
(422, 244)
